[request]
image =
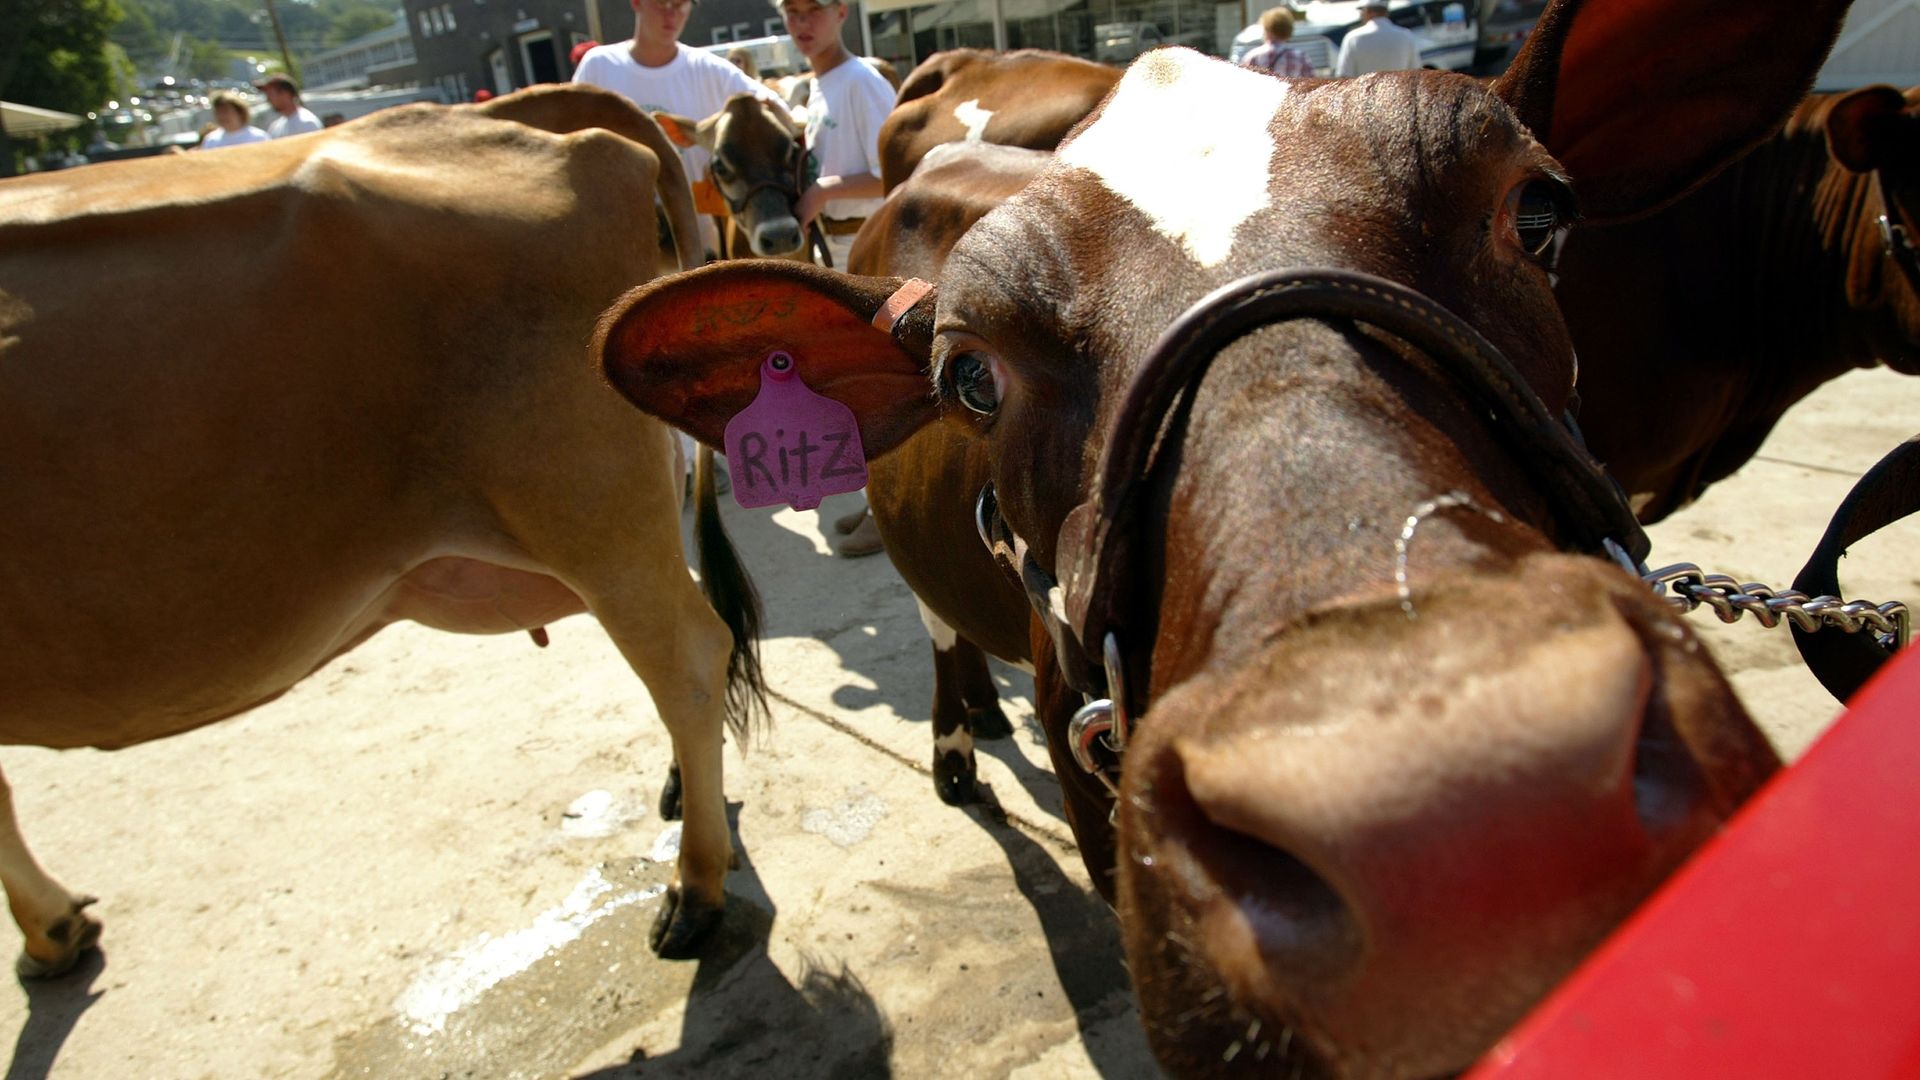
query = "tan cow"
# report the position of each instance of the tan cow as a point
(368, 399)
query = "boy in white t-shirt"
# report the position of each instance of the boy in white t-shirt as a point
(657, 73)
(846, 104)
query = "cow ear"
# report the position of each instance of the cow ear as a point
(688, 348)
(1643, 100)
(1863, 127)
(680, 130)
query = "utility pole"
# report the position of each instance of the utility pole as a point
(279, 35)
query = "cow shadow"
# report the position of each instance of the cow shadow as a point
(1083, 944)
(745, 1018)
(54, 1008)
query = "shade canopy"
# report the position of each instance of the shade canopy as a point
(32, 120)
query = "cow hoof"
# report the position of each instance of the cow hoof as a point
(683, 925)
(670, 809)
(72, 935)
(953, 778)
(989, 722)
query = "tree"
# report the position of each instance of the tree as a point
(54, 55)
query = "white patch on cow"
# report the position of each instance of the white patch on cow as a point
(1184, 138)
(961, 741)
(975, 118)
(944, 636)
(453, 983)
(848, 821)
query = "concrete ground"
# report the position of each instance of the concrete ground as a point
(439, 856)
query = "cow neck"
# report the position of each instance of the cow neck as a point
(1084, 608)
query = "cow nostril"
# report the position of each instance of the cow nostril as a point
(777, 238)
(1669, 789)
(1304, 930)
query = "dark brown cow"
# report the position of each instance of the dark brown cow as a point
(1029, 97)
(922, 494)
(374, 405)
(1400, 759)
(1699, 326)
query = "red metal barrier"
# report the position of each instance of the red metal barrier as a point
(1787, 947)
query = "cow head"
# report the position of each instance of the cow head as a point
(1400, 761)
(1875, 132)
(756, 165)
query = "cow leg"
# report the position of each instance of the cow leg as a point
(54, 921)
(959, 670)
(984, 716)
(679, 648)
(670, 795)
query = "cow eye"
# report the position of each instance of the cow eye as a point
(1540, 208)
(973, 382)
(721, 170)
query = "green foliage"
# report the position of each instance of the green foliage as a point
(60, 59)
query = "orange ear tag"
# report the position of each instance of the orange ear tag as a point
(792, 445)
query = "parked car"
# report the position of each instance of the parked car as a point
(1119, 43)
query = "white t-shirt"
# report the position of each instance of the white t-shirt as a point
(694, 84)
(845, 108)
(220, 137)
(301, 122)
(1377, 45)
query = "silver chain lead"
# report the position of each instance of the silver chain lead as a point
(1692, 587)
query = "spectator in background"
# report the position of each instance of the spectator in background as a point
(1276, 57)
(742, 58)
(284, 95)
(659, 74)
(1376, 44)
(847, 101)
(333, 119)
(482, 95)
(231, 126)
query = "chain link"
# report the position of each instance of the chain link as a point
(1692, 587)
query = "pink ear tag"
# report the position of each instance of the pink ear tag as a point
(792, 445)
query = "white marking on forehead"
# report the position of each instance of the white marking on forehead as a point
(974, 117)
(1184, 138)
(944, 636)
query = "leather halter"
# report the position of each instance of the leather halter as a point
(1895, 237)
(1091, 602)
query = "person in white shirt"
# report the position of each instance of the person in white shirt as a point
(659, 74)
(847, 101)
(284, 95)
(1377, 44)
(230, 112)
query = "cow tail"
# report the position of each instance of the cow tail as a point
(731, 592)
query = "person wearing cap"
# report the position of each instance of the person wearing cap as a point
(232, 129)
(847, 101)
(1376, 44)
(284, 95)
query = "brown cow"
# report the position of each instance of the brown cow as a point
(1699, 326)
(922, 494)
(1029, 97)
(756, 167)
(1400, 759)
(372, 405)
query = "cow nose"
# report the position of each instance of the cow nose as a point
(1416, 865)
(780, 236)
